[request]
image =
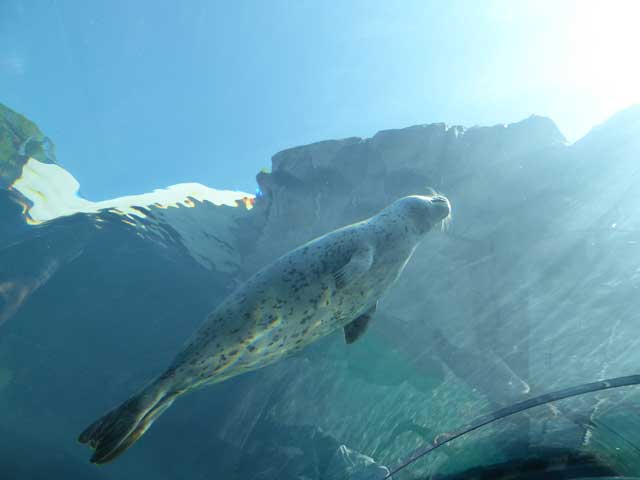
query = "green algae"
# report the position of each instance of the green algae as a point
(20, 139)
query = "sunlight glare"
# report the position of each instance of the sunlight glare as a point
(603, 52)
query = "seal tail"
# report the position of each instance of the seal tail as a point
(120, 428)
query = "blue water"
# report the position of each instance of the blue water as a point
(529, 288)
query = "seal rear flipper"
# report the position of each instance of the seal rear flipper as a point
(356, 328)
(359, 263)
(122, 427)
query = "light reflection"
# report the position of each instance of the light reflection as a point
(50, 192)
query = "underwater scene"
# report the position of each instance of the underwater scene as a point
(305, 241)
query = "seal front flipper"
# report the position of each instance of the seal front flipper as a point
(359, 264)
(355, 329)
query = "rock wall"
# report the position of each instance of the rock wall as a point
(533, 286)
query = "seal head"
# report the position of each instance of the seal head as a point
(425, 212)
(420, 213)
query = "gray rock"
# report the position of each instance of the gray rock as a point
(536, 281)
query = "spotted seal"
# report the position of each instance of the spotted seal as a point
(331, 282)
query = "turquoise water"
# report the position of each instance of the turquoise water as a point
(153, 159)
(486, 314)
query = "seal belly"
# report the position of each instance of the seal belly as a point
(280, 321)
(277, 314)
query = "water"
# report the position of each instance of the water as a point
(530, 288)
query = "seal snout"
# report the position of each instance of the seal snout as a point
(440, 207)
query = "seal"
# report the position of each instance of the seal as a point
(331, 282)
